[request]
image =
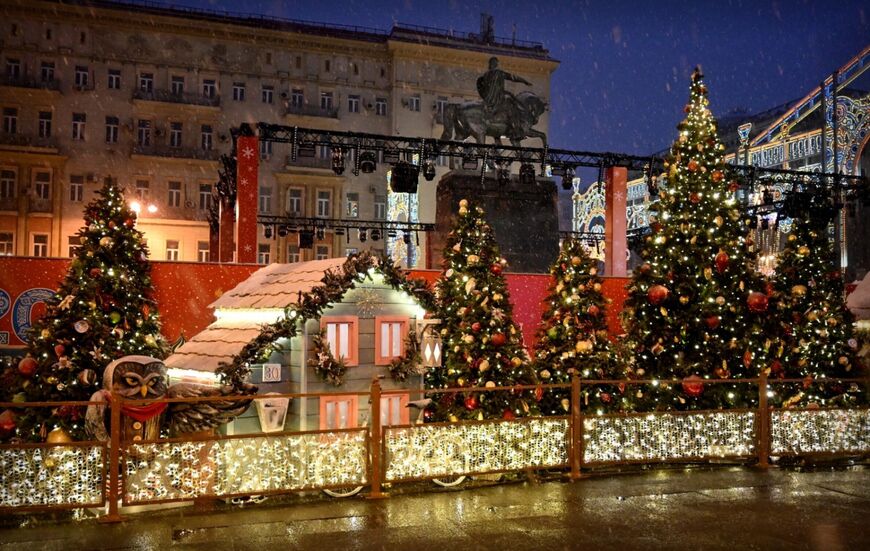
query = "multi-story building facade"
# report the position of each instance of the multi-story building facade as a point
(148, 94)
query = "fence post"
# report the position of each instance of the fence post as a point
(375, 441)
(763, 433)
(576, 429)
(114, 482)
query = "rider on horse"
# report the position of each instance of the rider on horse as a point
(498, 102)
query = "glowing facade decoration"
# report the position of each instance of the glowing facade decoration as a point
(588, 211)
(401, 207)
(51, 475)
(820, 431)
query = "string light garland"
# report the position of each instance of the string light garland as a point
(55, 475)
(830, 431)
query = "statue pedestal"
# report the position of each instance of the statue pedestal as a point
(525, 218)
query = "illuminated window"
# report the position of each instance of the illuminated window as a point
(39, 244)
(342, 335)
(390, 333)
(352, 210)
(171, 249)
(202, 251)
(174, 199)
(8, 179)
(7, 243)
(394, 410)
(76, 187)
(338, 412)
(177, 85)
(321, 252)
(293, 254)
(264, 253)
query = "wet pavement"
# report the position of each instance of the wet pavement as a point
(724, 508)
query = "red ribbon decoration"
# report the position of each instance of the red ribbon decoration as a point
(144, 413)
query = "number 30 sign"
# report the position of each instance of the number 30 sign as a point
(271, 373)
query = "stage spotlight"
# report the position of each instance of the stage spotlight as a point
(429, 170)
(267, 232)
(367, 162)
(283, 231)
(568, 179)
(338, 161)
(321, 234)
(306, 239)
(405, 177)
(527, 174)
(376, 234)
(363, 235)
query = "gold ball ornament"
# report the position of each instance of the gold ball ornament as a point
(799, 290)
(803, 250)
(58, 436)
(463, 211)
(484, 365)
(583, 346)
(566, 404)
(490, 384)
(792, 237)
(597, 287)
(720, 300)
(576, 260)
(516, 362)
(545, 374)
(463, 203)
(843, 360)
(719, 221)
(684, 299)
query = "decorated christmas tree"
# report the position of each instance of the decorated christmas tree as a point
(573, 336)
(815, 326)
(696, 304)
(482, 345)
(103, 310)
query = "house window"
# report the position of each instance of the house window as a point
(265, 149)
(414, 103)
(174, 199)
(73, 243)
(353, 104)
(390, 333)
(45, 124)
(47, 71)
(176, 86)
(78, 126)
(204, 196)
(209, 88)
(238, 91)
(321, 252)
(264, 253)
(76, 187)
(42, 185)
(380, 207)
(112, 129)
(294, 202)
(324, 203)
(39, 244)
(297, 97)
(7, 243)
(10, 120)
(13, 67)
(352, 210)
(394, 410)
(146, 82)
(143, 135)
(202, 251)
(339, 412)
(440, 105)
(267, 93)
(381, 107)
(114, 79)
(171, 249)
(326, 101)
(142, 189)
(206, 137)
(342, 333)
(81, 77)
(175, 134)
(293, 254)
(8, 180)
(265, 199)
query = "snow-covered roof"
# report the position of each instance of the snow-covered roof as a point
(217, 343)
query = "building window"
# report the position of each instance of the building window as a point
(268, 93)
(324, 203)
(78, 126)
(7, 244)
(342, 337)
(414, 103)
(442, 160)
(171, 249)
(440, 105)
(353, 104)
(324, 152)
(294, 202)
(114, 79)
(204, 196)
(47, 71)
(297, 97)
(381, 107)
(73, 243)
(13, 67)
(327, 65)
(264, 253)
(174, 199)
(394, 410)
(112, 129)
(42, 185)
(339, 412)
(352, 210)
(265, 149)
(144, 133)
(146, 82)
(265, 199)
(10, 120)
(326, 101)
(321, 252)
(175, 134)
(349, 251)
(209, 88)
(8, 181)
(293, 254)
(39, 244)
(202, 251)
(76, 187)
(142, 189)
(176, 86)
(390, 333)
(45, 124)
(380, 207)
(206, 135)
(238, 91)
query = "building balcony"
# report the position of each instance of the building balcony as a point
(195, 153)
(311, 111)
(308, 162)
(39, 205)
(33, 83)
(9, 203)
(29, 142)
(186, 98)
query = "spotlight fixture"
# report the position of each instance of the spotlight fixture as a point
(320, 233)
(406, 238)
(363, 235)
(367, 162)
(376, 234)
(283, 231)
(306, 239)
(267, 232)
(405, 177)
(568, 179)
(429, 170)
(338, 161)
(527, 174)
(469, 162)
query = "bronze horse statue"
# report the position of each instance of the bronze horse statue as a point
(470, 119)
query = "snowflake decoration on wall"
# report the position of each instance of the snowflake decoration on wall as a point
(368, 303)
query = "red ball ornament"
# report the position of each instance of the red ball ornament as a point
(146, 310)
(112, 224)
(129, 222)
(498, 339)
(757, 302)
(475, 327)
(712, 321)
(508, 415)
(495, 269)
(692, 166)
(593, 310)
(95, 272)
(657, 294)
(59, 350)
(539, 393)
(776, 368)
(694, 197)
(27, 366)
(733, 186)
(717, 175)
(721, 261)
(428, 415)
(605, 397)
(471, 403)
(693, 386)
(7, 423)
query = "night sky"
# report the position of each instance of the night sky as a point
(623, 78)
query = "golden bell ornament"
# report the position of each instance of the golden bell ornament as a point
(58, 436)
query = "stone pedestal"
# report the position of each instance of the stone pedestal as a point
(525, 218)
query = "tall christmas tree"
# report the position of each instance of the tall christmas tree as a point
(482, 345)
(696, 304)
(815, 326)
(102, 311)
(573, 336)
